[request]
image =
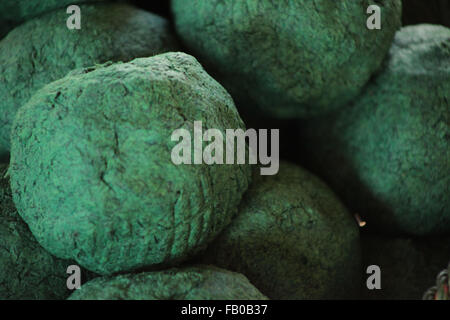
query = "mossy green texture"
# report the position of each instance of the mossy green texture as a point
(297, 58)
(388, 155)
(17, 11)
(91, 166)
(189, 283)
(292, 239)
(27, 271)
(408, 266)
(43, 50)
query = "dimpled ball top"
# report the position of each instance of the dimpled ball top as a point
(91, 166)
(388, 155)
(191, 283)
(43, 50)
(297, 58)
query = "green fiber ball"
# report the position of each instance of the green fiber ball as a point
(44, 50)
(20, 10)
(27, 271)
(92, 171)
(388, 155)
(190, 283)
(408, 266)
(292, 238)
(297, 58)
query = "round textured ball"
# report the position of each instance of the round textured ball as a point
(17, 11)
(27, 271)
(190, 283)
(408, 266)
(388, 154)
(297, 58)
(292, 239)
(31, 56)
(92, 172)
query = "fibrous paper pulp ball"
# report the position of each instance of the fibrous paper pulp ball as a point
(292, 239)
(297, 58)
(27, 271)
(190, 283)
(17, 11)
(31, 56)
(92, 172)
(5, 27)
(388, 155)
(408, 266)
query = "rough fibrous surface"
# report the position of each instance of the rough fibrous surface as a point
(292, 238)
(17, 11)
(408, 266)
(27, 271)
(388, 154)
(31, 56)
(91, 166)
(296, 58)
(191, 283)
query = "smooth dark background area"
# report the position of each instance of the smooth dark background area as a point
(426, 11)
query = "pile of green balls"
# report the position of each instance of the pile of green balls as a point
(87, 176)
